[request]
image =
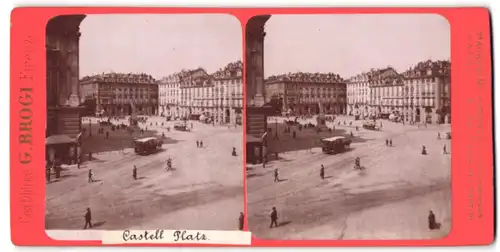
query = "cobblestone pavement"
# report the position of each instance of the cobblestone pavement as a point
(204, 192)
(390, 199)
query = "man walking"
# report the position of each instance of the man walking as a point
(88, 219)
(91, 176)
(276, 175)
(322, 172)
(274, 218)
(241, 221)
(134, 173)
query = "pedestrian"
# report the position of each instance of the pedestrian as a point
(424, 151)
(91, 176)
(322, 172)
(276, 175)
(387, 142)
(390, 142)
(274, 218)
(197, 144)
(439, 136)
(134, 173)
(241, 221)
(201, 144)
(88, 219)
(444, 150)
(47, 174)
(234, 152)
(432, 221)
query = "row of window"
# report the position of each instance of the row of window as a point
(408, 81)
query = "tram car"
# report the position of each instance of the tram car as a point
(148, 145)
(336, 144)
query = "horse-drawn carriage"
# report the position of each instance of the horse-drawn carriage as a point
(336, 144)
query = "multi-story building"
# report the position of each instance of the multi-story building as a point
(196, 89)
(195, 92)
(169, 96)
(228, 93)
(427, 92)
(386, 91)
(358, 95)
(302, 93)
(119, 94)
(422, 93)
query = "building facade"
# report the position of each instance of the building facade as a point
(358, 95)
(302, 93)
(421, 93)
(169, 96)
(195, 92)
(228, 93)
(119, 94)
(386, 91)
(63, 97)
(427, 92)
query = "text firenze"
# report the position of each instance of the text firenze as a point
(158, 235)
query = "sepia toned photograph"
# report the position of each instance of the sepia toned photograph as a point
(348, 122)
(144, 123)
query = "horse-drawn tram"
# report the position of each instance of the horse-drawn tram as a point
(336, 144)
(148, 145)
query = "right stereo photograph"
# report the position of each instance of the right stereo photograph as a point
(348, 127)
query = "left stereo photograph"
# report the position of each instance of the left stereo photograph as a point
(144, 123)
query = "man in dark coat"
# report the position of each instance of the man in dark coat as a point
(322, 172)
(274, 218)
(88, 219)
(241, 221)
(134, 173)
(432, 221)
(276, 175)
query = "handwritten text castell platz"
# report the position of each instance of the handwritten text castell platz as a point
(161, 236)
(25, 135)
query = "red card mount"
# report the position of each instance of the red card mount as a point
(350, 202)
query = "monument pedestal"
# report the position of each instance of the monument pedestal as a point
(321, 123)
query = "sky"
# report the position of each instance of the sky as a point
(350, 44)
(158, 44)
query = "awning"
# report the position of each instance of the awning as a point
(252, 139)
(59, 139)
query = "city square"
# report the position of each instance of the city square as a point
(390, 199)
(348, 140)
(143, 134)
(204, 190)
